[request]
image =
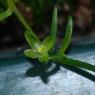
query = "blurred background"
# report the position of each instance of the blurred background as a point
(38, 15)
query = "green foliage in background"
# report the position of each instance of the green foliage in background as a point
(39, 10)
(6, 8)
(42, 9)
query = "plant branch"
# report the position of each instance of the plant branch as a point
(23, 21)
(65, 60)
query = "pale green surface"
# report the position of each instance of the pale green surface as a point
(16, 77)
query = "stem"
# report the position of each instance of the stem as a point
(23, 21)
(72, 62)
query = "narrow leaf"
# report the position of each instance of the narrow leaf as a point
(31, 53)
(32, 41)
(67, 38)
(8, 12)
(50, 40)
(5, 14)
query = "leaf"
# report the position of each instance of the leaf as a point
(4, 15)
(48, 43)
(8, 12)
(50, 40)
(32, 41)
(67, 38)
(72, 62)
(31, 53)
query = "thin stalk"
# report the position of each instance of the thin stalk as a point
(72, 62)
(23, 21)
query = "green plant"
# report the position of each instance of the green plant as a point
(44, 51)
(6, 4)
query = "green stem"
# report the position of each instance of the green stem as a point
(23, 21)
(72, 62)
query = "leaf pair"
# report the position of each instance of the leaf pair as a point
(61, 58)
(40, 49)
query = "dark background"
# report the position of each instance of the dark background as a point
(38, 15)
